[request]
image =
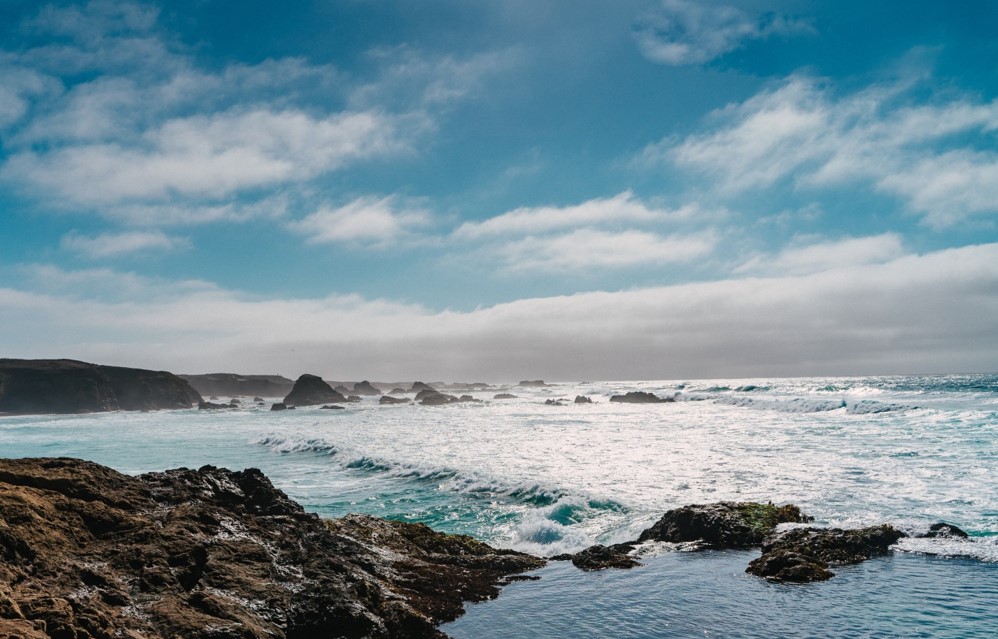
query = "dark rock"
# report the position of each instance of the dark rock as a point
(257, 399)
(505, 396)
(601, 557)
(553, 402)
(235, 384)
(365, 388)
(354, 399)
(341, 389)
(279, 406)
(640, 397)
(235, 401)
(213, 398)
(420, 386)
(213, 406)
(388, 399)
(532, 383)
(68, 386)
(582, 399)
(723, 524)
(468, 399)
(331, 407)
(431, 397)
(212, 553)
(397, 391)
(310, 390)
(804, 554)
(943, 530)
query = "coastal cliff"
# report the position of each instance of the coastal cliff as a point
(87, 552)
(232, 384)
(37, 386)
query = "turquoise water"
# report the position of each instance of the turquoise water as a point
(551, 479)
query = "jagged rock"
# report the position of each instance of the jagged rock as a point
(553, 402)
(804, 554)
(467, 399)
(723, 524)
(388, 399)
(331, 407)
(310, 390)
(365, 388)
(213, 406)
(532, 383)
(505, 396)
(279, 406)
(943, 530)
(87, 552)
(420, 386)
(431, 397)
(235, 384)
(354, 399)
(397, 391)
(601, 557)
(582, 399)
(640, 397)
(341, 389)
(38, 386)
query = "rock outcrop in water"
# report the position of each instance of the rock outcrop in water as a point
(640, 397)
(805, 554)
(724, 524)
(39, 386)
(86, 552)
(235, 384)
(388, 399)
(365, 388)
(310, 390)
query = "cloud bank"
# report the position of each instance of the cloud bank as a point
(935, 312)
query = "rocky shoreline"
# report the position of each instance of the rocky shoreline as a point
(87, 552)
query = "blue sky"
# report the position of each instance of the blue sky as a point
(495, 190)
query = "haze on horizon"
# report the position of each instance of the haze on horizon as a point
(442, 190)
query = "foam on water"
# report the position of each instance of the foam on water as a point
(550, 479)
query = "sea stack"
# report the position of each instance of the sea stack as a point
(310, 390)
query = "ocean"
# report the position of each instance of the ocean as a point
(548, 479)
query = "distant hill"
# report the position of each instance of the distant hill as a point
(39, 386)
(234, 384)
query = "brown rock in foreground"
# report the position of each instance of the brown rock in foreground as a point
(88, 552)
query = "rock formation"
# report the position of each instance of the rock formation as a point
(723, 525)
(310, 390)
(388, 399)
(582, 399)
(69, 386)
(532, 383)
(505, 396)
(235, 384)
(420, 386)
(86, 552)
(805, 554)
(640, 397)
(365, 388)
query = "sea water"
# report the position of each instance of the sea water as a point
(548, 479)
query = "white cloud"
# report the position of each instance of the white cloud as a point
(824, 256)
(685, 32)
(928, 313)
(365, 220)
(803, 132)
(108, 245)
(589, 249)
(623, 207)
(213, 156)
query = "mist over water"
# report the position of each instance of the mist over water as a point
(550, 479)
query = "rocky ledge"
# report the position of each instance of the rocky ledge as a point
(86, 552)
(38, 386)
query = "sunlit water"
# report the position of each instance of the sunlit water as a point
(550, 479)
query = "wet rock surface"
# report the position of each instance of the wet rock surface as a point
(88, 552)
(723, 524)
(601, 557)
(805, 554)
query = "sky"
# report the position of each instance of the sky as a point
(493, 191)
